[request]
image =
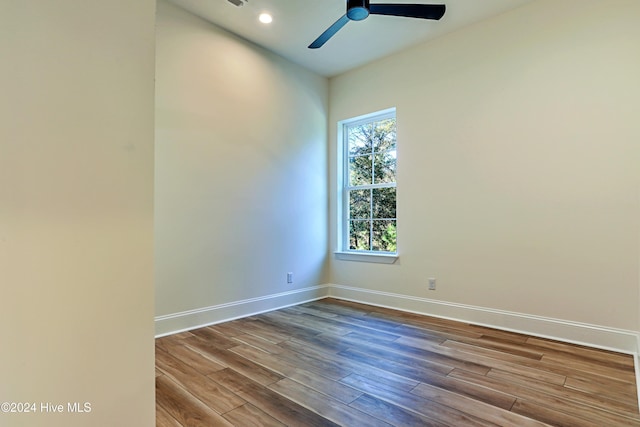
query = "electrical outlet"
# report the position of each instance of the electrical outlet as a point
(289, 277)
(432, 283)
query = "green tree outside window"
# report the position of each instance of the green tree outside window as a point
(371, 185)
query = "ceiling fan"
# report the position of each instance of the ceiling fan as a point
(357, 10)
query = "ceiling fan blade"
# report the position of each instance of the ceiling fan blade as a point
(424, 11)
(329, 32)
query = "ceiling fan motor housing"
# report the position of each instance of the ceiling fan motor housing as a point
(357, 10)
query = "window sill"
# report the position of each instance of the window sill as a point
(366, 257)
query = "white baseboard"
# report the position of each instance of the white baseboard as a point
(192, 319)
(619, 340)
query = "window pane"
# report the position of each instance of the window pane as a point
(360, 170)
(384, 135)
(384, 236)
(369, 172)
(385, 167)
(359, 235)
(384, 203)
(360, 204)
(360, 139)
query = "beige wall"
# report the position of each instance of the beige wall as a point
(241, 168)
(518, 163)
(76, 210)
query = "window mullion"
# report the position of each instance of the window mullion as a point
(371, 219)
(373, 163)
(370, 186)
(346, 213)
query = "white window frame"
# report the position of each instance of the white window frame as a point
(343, 252)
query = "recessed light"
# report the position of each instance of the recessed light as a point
(265, 18)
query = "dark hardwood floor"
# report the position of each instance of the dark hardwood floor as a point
(333, 362)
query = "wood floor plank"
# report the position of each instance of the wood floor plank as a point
(274, 363)
(369, 370)
(290, 369)
(600, 399)
(613, 390)
(292, 329)
(363, 324)
(328, 342)
(493, 353)
(194, 359)
(578, 351)
(419, 373)
(268, 401)
(341, 366)
(442, 413)
(497, 335)
(333, 362)
(257, 342)
(435, 328)
(213, 338)
(509, 363)
(203, 388)
(285, 410)
(441, 365)
(507, 347)
(551, 416)
(318, 325)
(422, 351)
(335, 389)
(228, 329)
(463, 388)
(306, 357)
(263, 331)
(306, 308)
(246, 367)
(183, 407)
(164, 419)
(234, 381)
(525, 392)
(393, 414)
(171, 340)
(403, 323)
(484, 411)
(561, 363)
(458, 359)
(248, 415)
(324, 405)
(340, 307)
(388, 379)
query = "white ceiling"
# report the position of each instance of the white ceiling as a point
(296, 23)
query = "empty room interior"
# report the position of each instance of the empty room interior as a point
(173, 188)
